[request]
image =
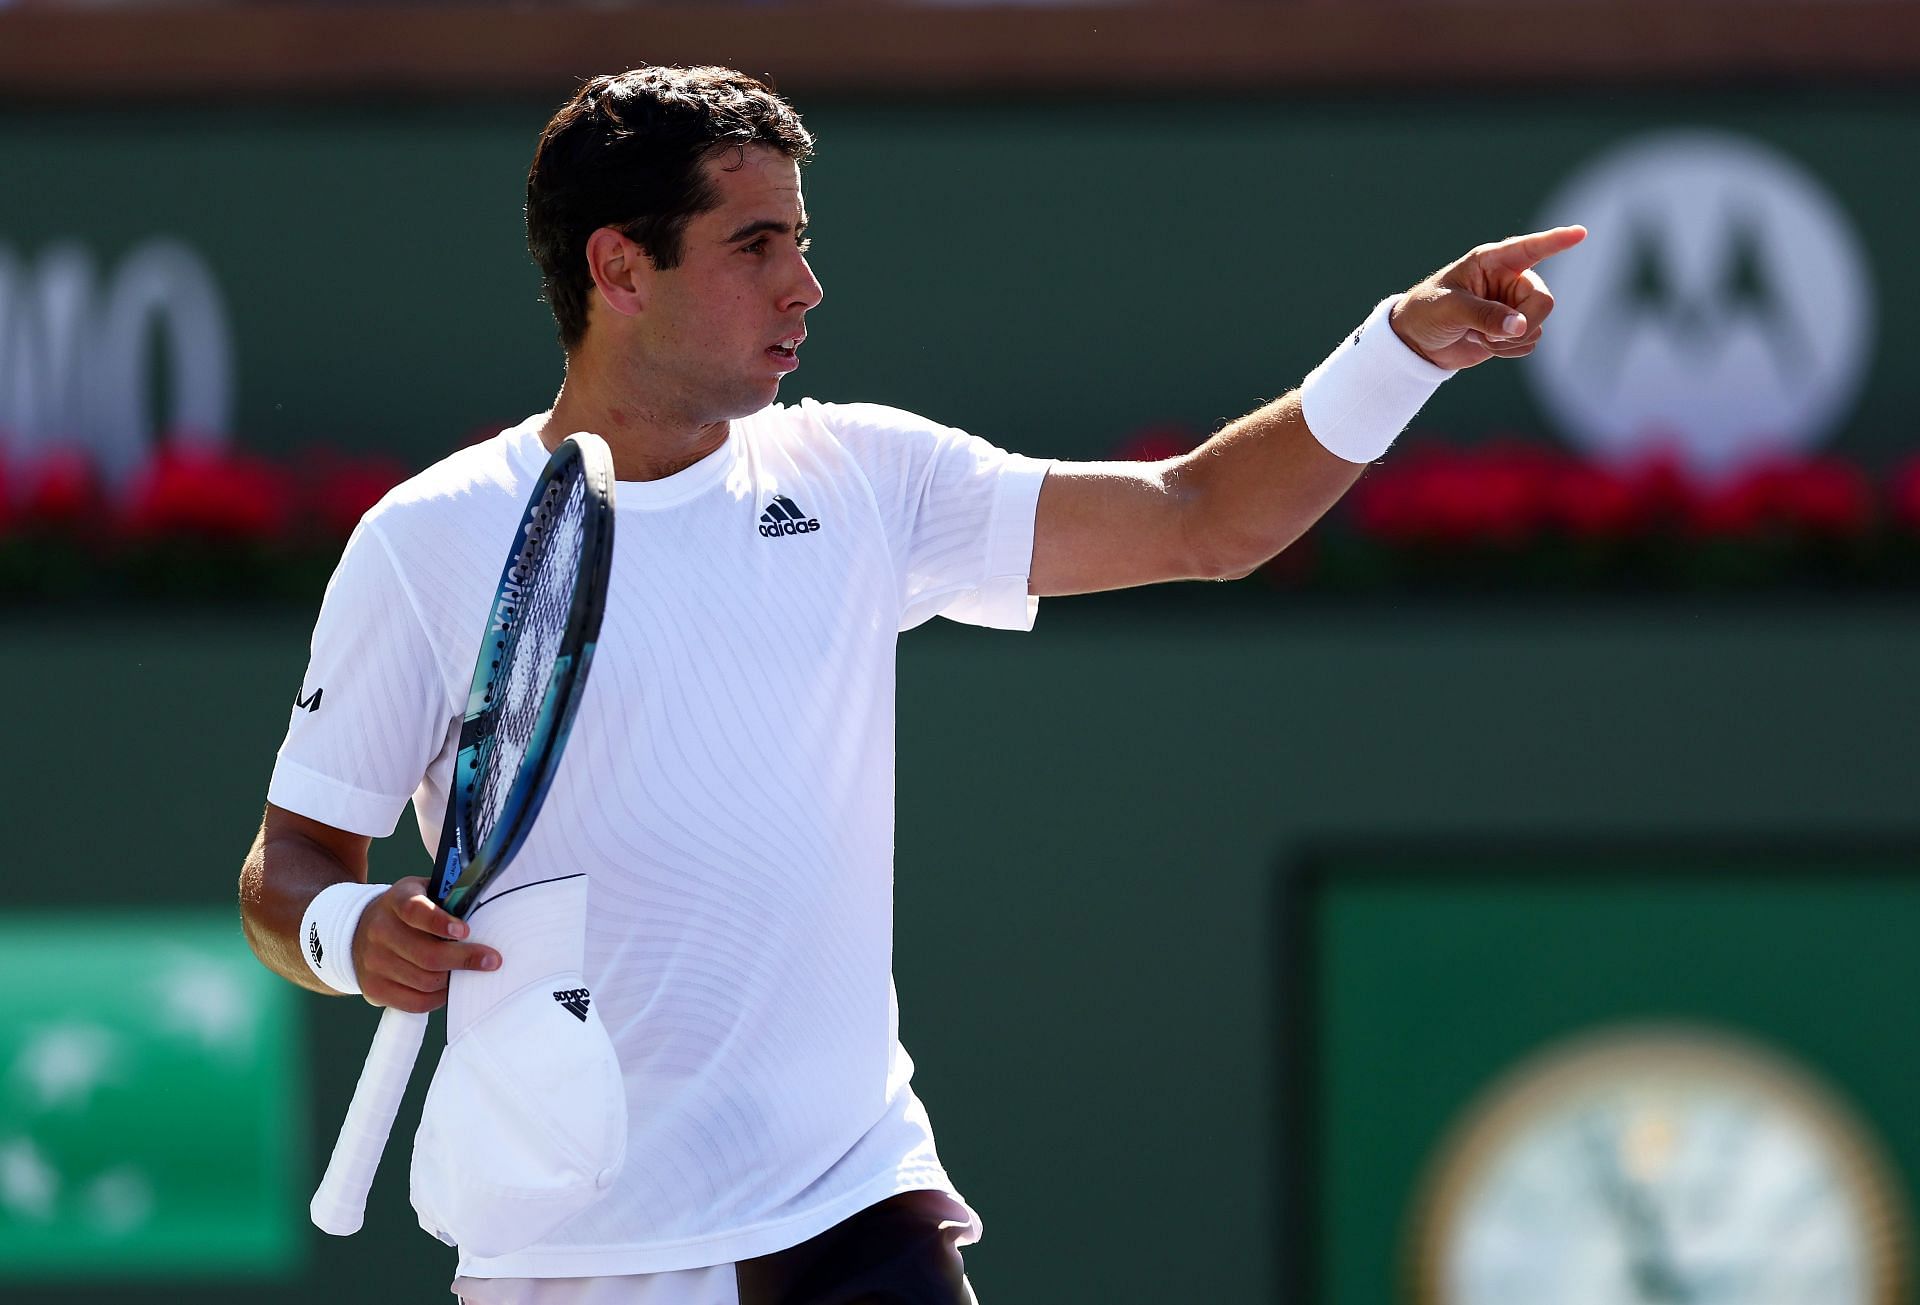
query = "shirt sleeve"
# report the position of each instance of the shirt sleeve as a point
(373, 710)
(958, 513)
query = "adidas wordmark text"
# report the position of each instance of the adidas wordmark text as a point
(784, 517)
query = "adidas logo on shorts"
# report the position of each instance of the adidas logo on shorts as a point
(576, 1001)
(784, 517)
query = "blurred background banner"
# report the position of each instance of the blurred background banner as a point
(303, 303)
(1535, 835)
(154, 1093)
(1055, 275)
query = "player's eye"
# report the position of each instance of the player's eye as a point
(758, 245)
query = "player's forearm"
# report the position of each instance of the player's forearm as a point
(1257, 486)
(280, 877)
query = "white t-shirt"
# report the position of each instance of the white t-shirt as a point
(728, 787)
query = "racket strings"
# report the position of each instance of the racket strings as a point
(534, 638)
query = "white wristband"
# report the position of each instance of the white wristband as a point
(1368, 389)
(326, 932)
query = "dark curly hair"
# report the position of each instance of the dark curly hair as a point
(626, 152)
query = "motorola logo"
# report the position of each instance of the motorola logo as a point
(1721, 310)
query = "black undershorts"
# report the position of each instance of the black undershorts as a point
(895, 1253)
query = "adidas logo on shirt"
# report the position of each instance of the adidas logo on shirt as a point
(784, 517)
(576, 1001)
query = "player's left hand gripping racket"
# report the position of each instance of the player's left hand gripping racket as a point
(527, 684)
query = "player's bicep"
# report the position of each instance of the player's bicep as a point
(1110, 525)
(343, 846)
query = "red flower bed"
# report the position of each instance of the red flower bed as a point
(196, 521)
(56, 492)
(215, 494)
(1514, 494)
(1510, 511)
(1507, 514)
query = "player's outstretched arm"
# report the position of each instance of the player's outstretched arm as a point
(1222, 510)
(403, 947)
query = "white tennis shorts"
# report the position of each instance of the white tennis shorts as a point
(714, 1285)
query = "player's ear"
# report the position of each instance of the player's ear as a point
(621, 271)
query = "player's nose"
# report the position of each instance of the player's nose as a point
(805, 292)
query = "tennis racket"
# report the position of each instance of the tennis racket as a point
(527, 685)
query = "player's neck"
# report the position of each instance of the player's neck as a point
(646, 444)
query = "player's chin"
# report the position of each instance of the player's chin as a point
(765, 389)
(746, 397)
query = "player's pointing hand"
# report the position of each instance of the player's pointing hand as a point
(405, 946)
(1491, 303)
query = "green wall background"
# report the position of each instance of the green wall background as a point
(1052, 275)
(1093, 823)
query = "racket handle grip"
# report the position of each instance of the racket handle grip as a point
(340, 1202)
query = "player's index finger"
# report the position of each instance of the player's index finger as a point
(422, 913)
(1518, 253)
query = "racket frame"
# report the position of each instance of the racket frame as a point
(460, 869)
(339, 1202)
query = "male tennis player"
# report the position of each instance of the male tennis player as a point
(728, 790)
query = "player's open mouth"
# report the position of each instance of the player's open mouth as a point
(786, 352)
